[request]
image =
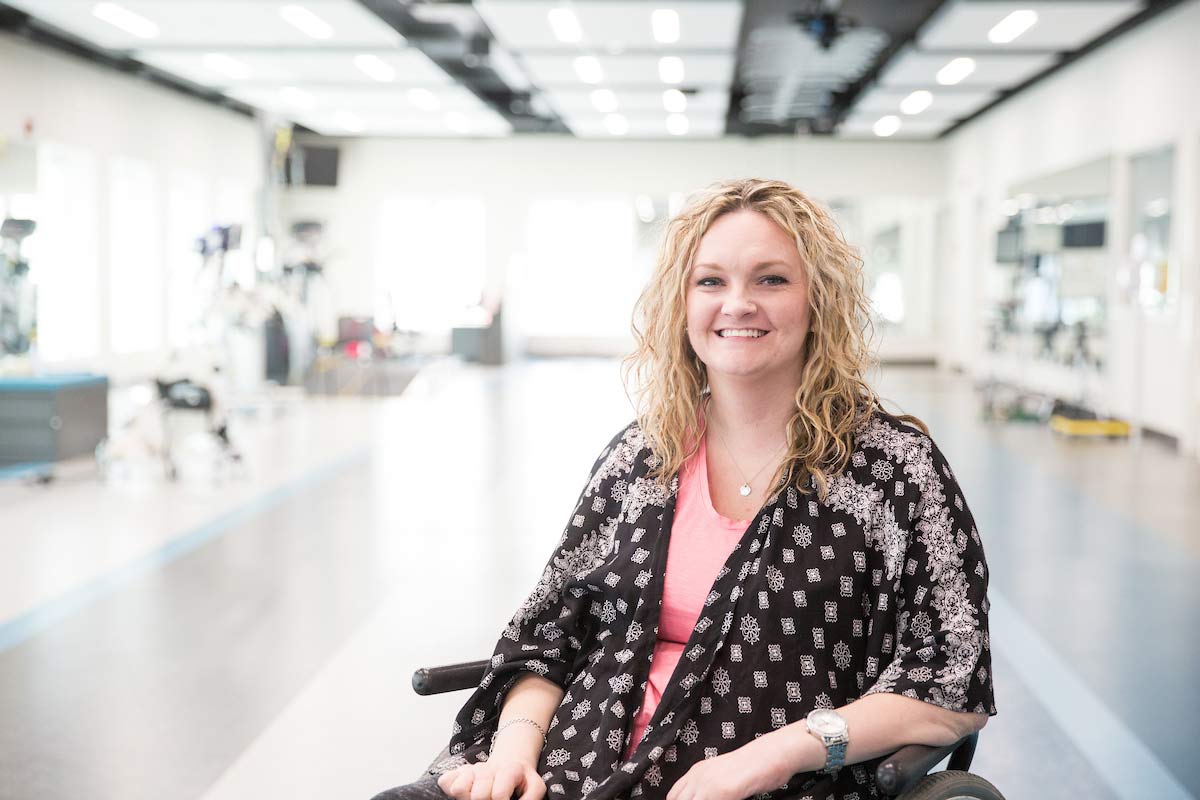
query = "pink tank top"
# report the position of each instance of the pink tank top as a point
(701, 541)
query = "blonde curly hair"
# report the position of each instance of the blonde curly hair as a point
(833, 399)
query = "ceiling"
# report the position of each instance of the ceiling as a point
(594, 68)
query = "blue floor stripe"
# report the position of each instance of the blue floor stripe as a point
(29, 624)
(28, 470)
(1119, 757)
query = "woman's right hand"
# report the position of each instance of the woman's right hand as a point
(497, 778)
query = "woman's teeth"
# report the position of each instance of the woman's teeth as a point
(745, 334)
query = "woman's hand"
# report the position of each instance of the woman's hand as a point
(494, 779)
(725, 777)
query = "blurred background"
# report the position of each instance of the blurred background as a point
(311, 317)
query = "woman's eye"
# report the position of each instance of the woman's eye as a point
(774, 280)
(707, 282)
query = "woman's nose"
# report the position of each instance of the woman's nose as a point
(738, 303)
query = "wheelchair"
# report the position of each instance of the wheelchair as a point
(904, 775)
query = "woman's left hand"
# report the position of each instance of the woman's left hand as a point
(732, 776)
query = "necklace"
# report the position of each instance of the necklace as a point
(744, 490)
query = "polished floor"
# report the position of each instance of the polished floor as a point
(254, 638)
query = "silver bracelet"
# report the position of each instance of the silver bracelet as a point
(514, 722)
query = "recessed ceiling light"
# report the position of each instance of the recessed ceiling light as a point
(664, 22)
(565, 25)
(674, 101)
(423, 99)
(126, 20)
(670, 69)
(227, 66)
(916, 102)
(296, 98)
(306, 21)
(617, 125)
(348, 121)
(375, 67)
(677, 124)
(886, 126)
(588, 69)
(458, 122)
(955, 70)
(1012, 26)
(604, 101)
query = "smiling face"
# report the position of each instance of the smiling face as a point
(747, 300)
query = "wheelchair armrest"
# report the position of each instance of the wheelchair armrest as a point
(449, 678)
(898, 772)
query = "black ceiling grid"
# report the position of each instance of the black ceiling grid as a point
(21, 24)
(899, 21)
(464, 58)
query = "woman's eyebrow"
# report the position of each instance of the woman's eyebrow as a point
(759, 267)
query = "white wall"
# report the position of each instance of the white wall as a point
(509, 173)
(105, 118)
(1132, 95)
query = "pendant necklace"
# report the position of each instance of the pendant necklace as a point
(744, 490)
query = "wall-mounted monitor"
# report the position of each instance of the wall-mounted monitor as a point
(1083, 234)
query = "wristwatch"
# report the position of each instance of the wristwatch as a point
(830, 728)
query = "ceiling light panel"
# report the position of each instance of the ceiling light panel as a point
(476, 123)
(863, 127)
(613, 24)
(1060, 26)
(947, 104)
(575, 102)
(919, 69)
(715, 69)
(193, 23)
(655, 127)
(290, 101)
(306, 67)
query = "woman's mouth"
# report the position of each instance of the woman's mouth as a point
(741, 333)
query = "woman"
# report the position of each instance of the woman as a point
(847, 617)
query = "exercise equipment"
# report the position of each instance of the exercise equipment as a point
(18, 299)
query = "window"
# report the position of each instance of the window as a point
(430, 260)
(135, 258)
(63, 257)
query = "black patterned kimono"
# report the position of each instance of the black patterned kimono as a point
(881, 587)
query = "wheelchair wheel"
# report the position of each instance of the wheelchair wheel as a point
(952, 784)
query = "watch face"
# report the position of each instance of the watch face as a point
(826, 722)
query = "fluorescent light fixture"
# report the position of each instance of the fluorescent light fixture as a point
(617, 125)
(306, 21)
(423, 99)
(674, 101)
(916, 102)
(227, 66)
(886, 126)
(1012, 26)
(604, 101)
(296, 98)
(126, 20)
(458, 122)
(670, 69)
(664, 22)
(677, 124)
(348, 121)
(375, 67)
(955, 70)
(588, 69)
(565, 25)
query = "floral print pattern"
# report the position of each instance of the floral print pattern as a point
(880, 587)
